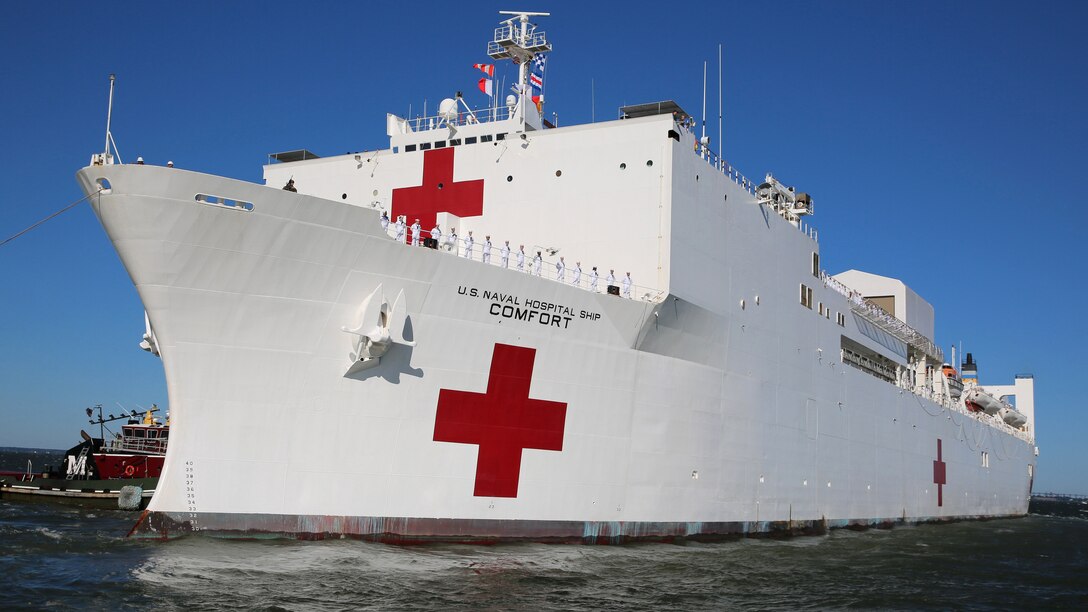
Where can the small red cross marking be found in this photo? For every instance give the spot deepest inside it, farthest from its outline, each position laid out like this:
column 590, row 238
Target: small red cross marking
column 503, row 421
column 438, row 193
column 939, row 475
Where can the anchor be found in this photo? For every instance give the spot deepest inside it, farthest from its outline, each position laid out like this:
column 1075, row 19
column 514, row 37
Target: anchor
column 380, row 326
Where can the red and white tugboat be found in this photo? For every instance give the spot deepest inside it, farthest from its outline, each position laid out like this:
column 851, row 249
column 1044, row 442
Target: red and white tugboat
column 122, row 468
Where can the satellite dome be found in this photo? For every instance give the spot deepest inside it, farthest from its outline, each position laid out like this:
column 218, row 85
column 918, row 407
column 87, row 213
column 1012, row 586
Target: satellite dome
column 447, row 109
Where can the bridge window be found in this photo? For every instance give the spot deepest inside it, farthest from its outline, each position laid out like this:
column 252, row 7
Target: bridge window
column 470, row 140
column 486, row 138
column 409, row 148
column 806, row 296
column 425, row 146
column 441, row 144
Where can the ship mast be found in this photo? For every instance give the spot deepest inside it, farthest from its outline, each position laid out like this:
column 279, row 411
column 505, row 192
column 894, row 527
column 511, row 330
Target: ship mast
column 104, row 158
column 519, row 42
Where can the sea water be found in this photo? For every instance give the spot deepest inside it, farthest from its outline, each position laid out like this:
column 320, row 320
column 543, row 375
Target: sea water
column 64, row 556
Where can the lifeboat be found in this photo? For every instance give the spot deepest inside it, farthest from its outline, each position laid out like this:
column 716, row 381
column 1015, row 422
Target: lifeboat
column 1013, row 417
column 955, row 385
column 984, row 401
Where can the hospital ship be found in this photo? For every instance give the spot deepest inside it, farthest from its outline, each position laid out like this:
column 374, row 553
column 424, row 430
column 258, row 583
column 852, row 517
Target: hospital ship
column 332, row 372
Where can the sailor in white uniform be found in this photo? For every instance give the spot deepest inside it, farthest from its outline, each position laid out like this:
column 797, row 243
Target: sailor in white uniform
column 415, row 233
column 469, row 242
column 400, row 228
column 451, row 244
column 436, row 235
column 385, row 222
column 537, row 261
column 561, row 270
column 505, row 254
column 627, row 286
column 487, row 249
column 610, row 280
column 593, row 276
column 521, row 258
column 577, row 280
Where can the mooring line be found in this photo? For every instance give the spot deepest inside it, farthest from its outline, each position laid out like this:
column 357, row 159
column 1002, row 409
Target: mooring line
column 72, row 205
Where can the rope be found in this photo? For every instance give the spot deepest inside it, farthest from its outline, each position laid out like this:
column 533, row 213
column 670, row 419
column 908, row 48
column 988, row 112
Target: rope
column 65, row 209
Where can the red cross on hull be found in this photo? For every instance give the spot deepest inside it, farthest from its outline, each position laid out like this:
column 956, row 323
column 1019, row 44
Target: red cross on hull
column 939, row 476
column 502, row 422
column 438, row 193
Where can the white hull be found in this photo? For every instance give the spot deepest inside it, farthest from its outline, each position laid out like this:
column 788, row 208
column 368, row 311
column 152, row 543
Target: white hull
column 685, row 414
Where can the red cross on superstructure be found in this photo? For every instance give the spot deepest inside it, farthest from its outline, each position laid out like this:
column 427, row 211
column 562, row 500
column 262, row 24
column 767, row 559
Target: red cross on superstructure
column 939, row 475
column 438, row 193
column 503, row 421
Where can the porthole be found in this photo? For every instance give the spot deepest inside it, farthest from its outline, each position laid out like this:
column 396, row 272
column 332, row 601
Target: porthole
column 623, row 166
column 559, row 173
column 649, row 162
column 725, row 198
column 375, row 192
column 696, row 178
column 343, row 196
column 440, row 185
column 509, row 179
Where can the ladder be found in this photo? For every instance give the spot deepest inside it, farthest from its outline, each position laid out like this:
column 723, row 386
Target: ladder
column 80, row 460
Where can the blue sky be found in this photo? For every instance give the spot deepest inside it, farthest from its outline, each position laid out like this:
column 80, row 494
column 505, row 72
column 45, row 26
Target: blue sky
column 942, row 143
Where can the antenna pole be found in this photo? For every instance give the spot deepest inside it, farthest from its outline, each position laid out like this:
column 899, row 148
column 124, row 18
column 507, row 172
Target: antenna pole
column 721, row 142
column 702, row 139
column 109, row 116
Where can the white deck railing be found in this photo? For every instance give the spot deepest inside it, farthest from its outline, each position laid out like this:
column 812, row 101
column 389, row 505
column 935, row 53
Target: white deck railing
column 548, row 269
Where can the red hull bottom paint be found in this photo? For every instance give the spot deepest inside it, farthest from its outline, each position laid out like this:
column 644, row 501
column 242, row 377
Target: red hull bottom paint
column 403, row 530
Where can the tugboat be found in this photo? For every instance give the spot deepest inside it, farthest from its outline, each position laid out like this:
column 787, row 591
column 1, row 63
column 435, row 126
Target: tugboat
column 114, row 468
